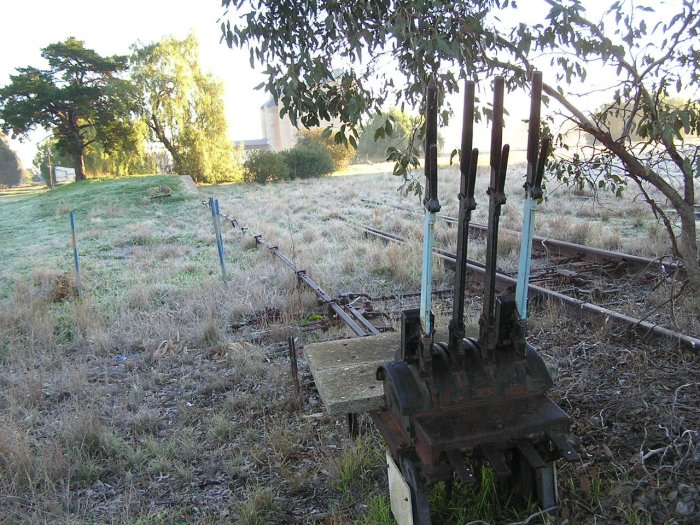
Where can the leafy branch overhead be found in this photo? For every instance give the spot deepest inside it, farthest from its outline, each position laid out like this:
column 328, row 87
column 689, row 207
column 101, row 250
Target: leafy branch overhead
column 637, row 61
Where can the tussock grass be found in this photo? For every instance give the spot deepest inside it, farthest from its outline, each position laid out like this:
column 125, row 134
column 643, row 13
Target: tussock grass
column 353, row 471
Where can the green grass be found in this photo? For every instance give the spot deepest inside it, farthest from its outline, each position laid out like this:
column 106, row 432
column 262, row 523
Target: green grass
column 486, row 501
column 378, row 512
column 354, row 469
column 35, row 227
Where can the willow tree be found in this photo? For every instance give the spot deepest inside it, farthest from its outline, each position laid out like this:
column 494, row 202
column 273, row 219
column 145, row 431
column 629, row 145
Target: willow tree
column 183, row 108
column 345, row 60
column 79, row 97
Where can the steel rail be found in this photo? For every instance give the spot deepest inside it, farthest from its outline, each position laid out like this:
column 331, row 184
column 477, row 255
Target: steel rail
column 575, row 307
column 559, row 248
column 302, row 276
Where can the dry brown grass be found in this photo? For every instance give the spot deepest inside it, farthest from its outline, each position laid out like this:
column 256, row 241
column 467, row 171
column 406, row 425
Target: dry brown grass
column 164, row 394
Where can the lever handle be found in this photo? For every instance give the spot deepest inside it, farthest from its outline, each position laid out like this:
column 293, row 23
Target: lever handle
column 471, row 181
column 431, row 202
column 533, row 132
column 503, row 168
column 536, row 190
column 467, row 137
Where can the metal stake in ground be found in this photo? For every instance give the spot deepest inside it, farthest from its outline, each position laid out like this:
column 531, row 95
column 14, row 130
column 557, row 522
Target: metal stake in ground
column 75, row 255
column 214, row 207
column 291, row 341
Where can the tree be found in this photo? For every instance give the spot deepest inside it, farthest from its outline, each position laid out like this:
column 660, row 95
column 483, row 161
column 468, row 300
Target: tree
column 127, row 154
column 384, row 130
column 10, row 165
column 183, row 109
column 79, row 98
column 645, row 55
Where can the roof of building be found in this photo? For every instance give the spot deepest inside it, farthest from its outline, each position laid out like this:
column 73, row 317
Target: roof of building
column 269, row 104
column 254, row 144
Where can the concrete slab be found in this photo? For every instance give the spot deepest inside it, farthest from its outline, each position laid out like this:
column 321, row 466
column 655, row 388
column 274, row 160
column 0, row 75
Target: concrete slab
column 345, row 371
column 345, row 352
column 351, row 389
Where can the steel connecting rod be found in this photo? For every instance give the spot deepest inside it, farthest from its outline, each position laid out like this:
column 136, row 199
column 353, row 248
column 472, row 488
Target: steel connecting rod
column 467, row 166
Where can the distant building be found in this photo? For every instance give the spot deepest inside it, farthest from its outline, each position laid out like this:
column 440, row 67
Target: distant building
column 63, row 174
column 279, row 132
column 262, row 144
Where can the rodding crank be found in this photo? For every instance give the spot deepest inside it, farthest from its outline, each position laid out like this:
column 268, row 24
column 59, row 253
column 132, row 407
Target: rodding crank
column 451, row 408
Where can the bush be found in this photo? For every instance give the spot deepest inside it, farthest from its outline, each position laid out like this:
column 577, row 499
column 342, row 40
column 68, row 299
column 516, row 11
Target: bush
column 309, row 159
column 225, row 166
column 339, row 154
column 262, row 166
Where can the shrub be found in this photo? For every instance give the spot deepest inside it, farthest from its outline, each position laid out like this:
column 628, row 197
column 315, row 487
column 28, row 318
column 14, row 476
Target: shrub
column 262, row 166
column 339, row 153
column 309, row 159
column 224, row 166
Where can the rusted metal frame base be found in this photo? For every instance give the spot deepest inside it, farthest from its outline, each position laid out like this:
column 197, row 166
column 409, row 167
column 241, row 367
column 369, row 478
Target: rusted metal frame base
column 480, row 431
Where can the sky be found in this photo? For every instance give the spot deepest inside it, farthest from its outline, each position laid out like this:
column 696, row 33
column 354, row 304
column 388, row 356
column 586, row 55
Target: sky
column 111, row 27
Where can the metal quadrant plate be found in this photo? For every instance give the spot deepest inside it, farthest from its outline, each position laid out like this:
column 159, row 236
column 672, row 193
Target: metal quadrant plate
column 399, row 494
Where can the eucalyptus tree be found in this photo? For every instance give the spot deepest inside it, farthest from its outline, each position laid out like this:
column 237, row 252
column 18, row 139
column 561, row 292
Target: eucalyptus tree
column 183, row 108
column 328, row 59
column 79, row 97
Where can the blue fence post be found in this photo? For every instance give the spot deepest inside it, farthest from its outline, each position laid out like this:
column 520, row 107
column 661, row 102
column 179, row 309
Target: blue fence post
column 214, row 205
column 75, row 255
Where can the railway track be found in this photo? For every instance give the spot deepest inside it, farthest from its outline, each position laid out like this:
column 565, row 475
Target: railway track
column 575, row 307
column 560, row 252
column 355, row 318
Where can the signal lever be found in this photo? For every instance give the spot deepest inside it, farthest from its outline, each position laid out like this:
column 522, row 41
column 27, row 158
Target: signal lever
column 489, row 323
column 432, row 207
column 533, row 193
column 468, row 160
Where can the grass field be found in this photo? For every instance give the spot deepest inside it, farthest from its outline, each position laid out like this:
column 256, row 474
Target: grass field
column 163, row 394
